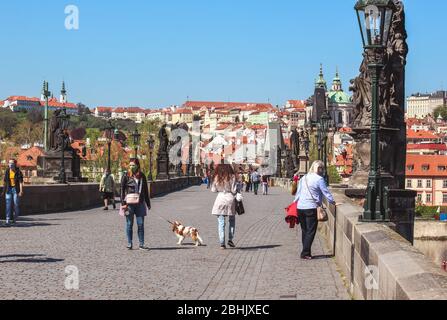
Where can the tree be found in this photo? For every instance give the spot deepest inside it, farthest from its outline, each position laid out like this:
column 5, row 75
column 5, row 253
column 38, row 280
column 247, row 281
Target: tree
column 35, row 116
column 8, row 121
column 441, row 110
column 83, row 109
column 27, row 132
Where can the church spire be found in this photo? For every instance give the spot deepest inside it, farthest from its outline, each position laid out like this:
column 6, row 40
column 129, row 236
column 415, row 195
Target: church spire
column 336, row 84
column 321, row 83
column 63, row 98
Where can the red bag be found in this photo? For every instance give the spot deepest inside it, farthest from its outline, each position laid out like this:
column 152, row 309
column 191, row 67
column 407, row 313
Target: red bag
column 292, row 215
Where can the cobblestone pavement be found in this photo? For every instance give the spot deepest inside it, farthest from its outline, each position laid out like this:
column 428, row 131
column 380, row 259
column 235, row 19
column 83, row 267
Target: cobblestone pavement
column 266, row 264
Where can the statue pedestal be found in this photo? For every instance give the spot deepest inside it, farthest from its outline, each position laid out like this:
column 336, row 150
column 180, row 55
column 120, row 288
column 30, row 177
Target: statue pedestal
column 163, row 166
column 390, row 155
column 304, row 168
column 49, row 167
column 402, row 207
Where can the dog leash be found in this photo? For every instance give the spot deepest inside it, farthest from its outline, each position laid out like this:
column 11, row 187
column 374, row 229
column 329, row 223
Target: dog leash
column 163, row 219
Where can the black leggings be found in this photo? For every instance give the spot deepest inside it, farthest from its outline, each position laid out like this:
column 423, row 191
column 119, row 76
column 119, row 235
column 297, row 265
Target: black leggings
column 309, row 225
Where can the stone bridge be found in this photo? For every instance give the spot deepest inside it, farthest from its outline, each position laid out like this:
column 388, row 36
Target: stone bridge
column 371, row 261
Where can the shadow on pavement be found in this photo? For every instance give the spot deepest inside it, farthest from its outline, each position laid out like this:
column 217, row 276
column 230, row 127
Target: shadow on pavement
column 322, row 257
column 30, row 225
column 29, row 258
column 171, row 248
column 259, row 247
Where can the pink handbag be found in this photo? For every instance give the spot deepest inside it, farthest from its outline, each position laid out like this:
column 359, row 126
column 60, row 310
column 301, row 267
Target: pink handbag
column 134, row 198
column 123, row 212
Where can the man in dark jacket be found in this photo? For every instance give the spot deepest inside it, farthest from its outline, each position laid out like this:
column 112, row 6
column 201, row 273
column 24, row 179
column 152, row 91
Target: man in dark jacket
column 13, row 190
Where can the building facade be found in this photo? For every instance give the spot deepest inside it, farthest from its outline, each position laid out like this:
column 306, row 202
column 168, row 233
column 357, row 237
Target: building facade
column 421, row 105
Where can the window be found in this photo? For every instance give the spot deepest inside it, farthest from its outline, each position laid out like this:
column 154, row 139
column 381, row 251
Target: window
column 419, row 183
column 442, row 168
column 410, row 168
column 428, row 198
column 419, row 198
column 444, row 198
column 428, row 185
column 409, row 184
column 444, row 185
column 425, row 167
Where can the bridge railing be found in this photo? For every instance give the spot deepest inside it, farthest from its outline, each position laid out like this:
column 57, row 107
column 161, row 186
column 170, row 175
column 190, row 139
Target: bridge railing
column 43, row 199
column 377, row 262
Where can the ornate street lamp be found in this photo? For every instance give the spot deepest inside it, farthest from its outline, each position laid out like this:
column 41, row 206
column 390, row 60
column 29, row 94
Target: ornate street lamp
column 46, row 94
column 151, row 144
column 319, row 141
column 325, row 124
column 110, row 134
column 63, row 117
column 306, row 143
column 375, row 17
column 136, row 141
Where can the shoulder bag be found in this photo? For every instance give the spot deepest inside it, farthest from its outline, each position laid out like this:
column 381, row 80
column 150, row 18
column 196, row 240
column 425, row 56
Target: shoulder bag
column 321, row 211
column 134, row 198
column 240, row 210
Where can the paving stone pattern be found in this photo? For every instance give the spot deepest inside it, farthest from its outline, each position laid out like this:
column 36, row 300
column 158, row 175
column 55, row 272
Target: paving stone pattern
column 265, row 265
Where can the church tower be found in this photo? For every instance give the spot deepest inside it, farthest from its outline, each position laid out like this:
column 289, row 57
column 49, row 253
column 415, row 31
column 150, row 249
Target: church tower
column 63, row 98
column 320, row 82
column 336, row 84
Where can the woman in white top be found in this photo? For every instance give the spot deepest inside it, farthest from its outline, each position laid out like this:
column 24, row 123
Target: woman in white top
column 225, row 183
column 312, row 189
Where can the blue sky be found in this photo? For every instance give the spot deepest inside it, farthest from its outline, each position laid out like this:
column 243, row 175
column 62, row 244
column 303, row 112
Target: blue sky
column 157, row 53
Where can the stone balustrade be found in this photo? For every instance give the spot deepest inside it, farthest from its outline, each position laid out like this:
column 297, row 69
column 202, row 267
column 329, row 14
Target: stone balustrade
column 41, row 199
column 377, row 262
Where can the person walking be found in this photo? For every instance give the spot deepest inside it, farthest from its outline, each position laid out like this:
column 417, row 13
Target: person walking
column 311, row 190
column 208, row 180
column 265, row 184
column 12, row 191
column 247, row 181
column 256, row 180
column 135, row 199
column 225, row 184
column 107, row 188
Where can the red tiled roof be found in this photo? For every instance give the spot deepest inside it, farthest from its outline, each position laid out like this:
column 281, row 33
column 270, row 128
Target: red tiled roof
column 129, row 110
column 222, row 126
column 53, row 102
column 56, row 104
column 228, row 105
column 427, row 146
column 417, row 162
column 28, row 158
column 183, row 111
column 411, row 134
column 104, row 109
column 345, row 130
column 258, row 127
column 297, row 104
column 22, row 98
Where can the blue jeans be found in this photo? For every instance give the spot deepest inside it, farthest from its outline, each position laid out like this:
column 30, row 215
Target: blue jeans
column 133, row 212
column 222, row 222
column 12, row 199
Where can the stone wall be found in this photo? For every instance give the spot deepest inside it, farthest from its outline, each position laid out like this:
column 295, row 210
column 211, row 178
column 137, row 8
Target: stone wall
column 43, row 199
column 430, row 237
column 377, row 262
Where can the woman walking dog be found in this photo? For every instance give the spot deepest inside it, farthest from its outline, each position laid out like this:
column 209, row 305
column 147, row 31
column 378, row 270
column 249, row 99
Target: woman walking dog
column 225, row 183
column 311, row 189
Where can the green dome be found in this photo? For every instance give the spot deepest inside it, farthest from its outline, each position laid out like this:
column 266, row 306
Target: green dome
column 339, row 97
